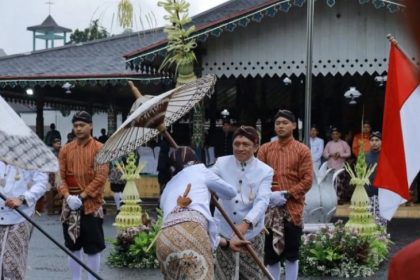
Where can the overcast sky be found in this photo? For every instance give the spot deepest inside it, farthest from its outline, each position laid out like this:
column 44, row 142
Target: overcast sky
column 16, row 15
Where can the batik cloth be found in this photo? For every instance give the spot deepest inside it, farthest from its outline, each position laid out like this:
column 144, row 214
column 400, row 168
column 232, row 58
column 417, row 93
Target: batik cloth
column 274, row 220
column 226, row 262
column 73, row 218
column 184, row 252
column 14, row 250
column 374, row 209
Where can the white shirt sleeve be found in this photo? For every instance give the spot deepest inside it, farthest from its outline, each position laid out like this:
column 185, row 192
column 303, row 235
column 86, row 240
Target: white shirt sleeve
column 38, row 188
column 219, row 186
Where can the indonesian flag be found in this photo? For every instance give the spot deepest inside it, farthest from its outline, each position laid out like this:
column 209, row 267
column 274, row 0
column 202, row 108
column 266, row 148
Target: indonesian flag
column 399, row 161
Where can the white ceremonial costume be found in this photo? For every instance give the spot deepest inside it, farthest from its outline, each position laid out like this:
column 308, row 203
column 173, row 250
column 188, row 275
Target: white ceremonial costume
column 252, row 180
column 317, row 148
column 203, row 181
column 15, row 231
column 189, row 233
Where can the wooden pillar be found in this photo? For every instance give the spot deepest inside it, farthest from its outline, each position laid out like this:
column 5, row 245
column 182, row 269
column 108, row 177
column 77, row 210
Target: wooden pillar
column 40, row 114
column 112, row 120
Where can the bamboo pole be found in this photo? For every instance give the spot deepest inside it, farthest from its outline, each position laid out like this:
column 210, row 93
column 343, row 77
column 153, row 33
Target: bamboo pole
column 67, row 251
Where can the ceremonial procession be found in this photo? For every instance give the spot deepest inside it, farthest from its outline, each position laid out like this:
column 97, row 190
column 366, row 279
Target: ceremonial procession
column 201, row 140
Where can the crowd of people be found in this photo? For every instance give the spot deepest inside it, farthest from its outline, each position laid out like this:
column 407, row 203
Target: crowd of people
column 261, row 188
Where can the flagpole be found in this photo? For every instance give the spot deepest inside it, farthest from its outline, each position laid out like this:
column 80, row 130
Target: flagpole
column 67, row 251
column 308, row 81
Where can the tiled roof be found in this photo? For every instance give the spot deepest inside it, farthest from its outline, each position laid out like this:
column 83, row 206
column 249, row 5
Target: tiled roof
column 215, row 16
column 99, row 58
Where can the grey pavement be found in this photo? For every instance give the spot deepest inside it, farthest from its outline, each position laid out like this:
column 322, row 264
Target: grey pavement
column 47, row 261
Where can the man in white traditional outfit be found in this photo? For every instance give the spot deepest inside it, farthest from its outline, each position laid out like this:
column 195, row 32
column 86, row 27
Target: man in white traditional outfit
column 189, row 232
column 252, row 179
column 316, row 145
column 22, row 188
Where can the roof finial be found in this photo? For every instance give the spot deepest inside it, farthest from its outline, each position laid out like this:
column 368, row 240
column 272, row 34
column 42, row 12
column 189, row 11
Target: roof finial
column 49, row 3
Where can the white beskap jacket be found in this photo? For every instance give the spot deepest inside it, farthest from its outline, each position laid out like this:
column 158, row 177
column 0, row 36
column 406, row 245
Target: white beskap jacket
column 252, row 180
column 15, row 182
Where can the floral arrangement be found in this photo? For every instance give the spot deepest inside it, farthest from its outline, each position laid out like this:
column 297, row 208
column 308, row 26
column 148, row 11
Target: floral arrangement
column 339, row 252
column 135, row 246
column 180, row 47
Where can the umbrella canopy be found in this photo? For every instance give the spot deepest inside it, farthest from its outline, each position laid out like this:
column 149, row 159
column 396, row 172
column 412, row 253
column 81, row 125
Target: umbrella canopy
column 20, row 146
column 153, row 115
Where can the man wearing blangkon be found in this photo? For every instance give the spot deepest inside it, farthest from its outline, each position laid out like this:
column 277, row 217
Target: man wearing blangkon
column 252, row 180
column 82, row 187
column 292, row 164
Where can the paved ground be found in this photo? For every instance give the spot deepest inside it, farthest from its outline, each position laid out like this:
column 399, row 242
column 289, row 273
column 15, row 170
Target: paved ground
column 47, row 261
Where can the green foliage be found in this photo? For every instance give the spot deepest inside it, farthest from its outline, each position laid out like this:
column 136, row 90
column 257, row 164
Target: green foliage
column 341, row 253
column 180, row 48
column 93, row 32
column 125, row 13
column 133, row 247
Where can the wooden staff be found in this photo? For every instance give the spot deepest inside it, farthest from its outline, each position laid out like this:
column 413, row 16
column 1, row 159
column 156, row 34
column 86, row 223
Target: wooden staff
column 241, row 237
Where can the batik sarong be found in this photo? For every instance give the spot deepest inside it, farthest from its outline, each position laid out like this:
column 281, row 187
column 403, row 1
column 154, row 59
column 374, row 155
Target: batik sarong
column 374, row 209
column 226, row 262
column 274, row 220
column 184, row 252
column 14, row 241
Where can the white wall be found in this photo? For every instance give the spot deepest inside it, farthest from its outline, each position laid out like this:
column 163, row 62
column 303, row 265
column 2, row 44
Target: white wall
column 64, row 125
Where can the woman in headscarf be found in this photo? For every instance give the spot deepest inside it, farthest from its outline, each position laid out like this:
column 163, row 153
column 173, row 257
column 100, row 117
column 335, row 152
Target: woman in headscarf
column 189, row 233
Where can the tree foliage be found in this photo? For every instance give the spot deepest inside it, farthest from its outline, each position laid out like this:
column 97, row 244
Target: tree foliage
column 93, row 32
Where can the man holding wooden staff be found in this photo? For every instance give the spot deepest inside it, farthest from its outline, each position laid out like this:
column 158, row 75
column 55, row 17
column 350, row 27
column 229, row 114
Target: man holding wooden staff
column 252, row 180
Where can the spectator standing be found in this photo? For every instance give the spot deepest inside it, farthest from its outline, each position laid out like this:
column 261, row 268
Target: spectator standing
column 371, row 158
column 362, row 138
column 317, row 146
column 103, row 136
column 337, row 151
column 51, row 135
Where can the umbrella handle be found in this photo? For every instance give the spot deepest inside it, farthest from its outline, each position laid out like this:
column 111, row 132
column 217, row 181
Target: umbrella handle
column 67, row 251
column 241, row 237
column 162, row 129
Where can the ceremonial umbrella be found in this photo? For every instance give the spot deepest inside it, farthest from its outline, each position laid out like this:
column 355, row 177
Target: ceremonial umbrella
column 20, row 146
column 150, row 115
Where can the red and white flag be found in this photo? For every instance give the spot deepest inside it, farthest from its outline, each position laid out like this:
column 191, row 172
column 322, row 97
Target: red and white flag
column 399, row 161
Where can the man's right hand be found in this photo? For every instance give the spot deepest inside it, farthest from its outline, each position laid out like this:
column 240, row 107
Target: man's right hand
column 74, row 202
column 237, row 245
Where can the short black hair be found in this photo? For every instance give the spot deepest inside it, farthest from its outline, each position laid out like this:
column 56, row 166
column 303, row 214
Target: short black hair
column 285, row 114
column 247, row 131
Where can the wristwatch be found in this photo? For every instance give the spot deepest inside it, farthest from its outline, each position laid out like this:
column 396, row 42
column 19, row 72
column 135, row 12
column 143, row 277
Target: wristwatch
column 22, row 198
column 246, row 221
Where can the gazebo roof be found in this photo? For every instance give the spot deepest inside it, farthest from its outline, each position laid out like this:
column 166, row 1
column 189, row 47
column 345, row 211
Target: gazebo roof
column 48, row 25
